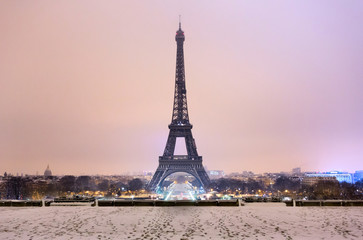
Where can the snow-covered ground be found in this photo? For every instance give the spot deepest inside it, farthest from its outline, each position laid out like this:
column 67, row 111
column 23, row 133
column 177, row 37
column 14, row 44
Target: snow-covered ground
column 253, row 221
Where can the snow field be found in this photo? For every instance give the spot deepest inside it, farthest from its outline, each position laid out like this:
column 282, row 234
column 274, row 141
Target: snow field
column 253, row 221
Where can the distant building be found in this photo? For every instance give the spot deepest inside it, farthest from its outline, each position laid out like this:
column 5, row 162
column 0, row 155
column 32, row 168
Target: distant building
column 248, row 174
column 310, row 181
column 358, row 176
column 216, row 173
column 340, row 176
column 147, row 173
column 296, row 171
column 47, row 172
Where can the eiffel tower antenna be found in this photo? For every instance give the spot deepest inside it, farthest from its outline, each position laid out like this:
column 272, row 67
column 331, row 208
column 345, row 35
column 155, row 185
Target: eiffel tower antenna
column 180, row 127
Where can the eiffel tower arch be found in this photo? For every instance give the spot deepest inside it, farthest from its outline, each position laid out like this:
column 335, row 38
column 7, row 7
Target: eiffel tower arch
column 180, row 127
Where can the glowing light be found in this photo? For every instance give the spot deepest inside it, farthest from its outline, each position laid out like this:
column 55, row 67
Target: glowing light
column 167, row 197
column 191, row 195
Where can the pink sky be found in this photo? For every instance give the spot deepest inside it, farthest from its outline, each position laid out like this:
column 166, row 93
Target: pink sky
column 87, row 86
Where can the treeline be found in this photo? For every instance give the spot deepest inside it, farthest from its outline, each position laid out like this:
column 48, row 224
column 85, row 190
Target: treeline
column 251, row 186
column 324, row 190
column 86, row 183
column 28, row 188
column 285, row 186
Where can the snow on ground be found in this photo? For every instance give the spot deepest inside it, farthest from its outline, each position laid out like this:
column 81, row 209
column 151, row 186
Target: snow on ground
column 253, row 221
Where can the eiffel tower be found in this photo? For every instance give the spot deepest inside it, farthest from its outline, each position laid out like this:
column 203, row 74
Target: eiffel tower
column 179, row 127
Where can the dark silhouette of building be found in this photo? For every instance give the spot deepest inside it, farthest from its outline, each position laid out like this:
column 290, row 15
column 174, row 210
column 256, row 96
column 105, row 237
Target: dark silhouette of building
column 47, row 172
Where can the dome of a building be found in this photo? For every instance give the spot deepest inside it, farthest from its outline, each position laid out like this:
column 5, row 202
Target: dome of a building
column 47, row 172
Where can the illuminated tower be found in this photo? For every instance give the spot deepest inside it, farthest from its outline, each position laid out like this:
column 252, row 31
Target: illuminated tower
column 180, row 127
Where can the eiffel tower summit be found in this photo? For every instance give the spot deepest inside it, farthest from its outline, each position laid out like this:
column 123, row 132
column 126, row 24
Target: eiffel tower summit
column 180, row 127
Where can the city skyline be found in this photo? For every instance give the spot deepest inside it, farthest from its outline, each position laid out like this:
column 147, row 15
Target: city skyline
column 210, row 172
column 88, row 87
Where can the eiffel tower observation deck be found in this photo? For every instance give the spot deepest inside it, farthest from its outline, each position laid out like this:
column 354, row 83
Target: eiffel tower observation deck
column 180, row 127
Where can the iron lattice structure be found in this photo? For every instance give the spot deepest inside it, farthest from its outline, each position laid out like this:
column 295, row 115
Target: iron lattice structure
column 180, row 127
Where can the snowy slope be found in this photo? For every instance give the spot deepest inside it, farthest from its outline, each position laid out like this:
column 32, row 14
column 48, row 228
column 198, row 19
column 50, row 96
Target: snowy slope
column 253, row 221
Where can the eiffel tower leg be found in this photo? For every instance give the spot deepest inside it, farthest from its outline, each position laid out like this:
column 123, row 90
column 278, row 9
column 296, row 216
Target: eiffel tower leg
column 170, row 145
column 190, row 144
column 203, row 177
column 155, row 181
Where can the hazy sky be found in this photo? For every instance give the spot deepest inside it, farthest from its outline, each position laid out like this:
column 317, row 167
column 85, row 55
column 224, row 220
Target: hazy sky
column 88, row 86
